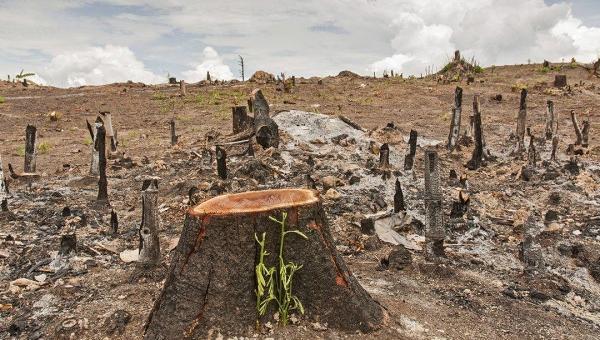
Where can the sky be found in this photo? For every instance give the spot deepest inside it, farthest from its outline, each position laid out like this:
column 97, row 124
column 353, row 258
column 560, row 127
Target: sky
column 69, row 43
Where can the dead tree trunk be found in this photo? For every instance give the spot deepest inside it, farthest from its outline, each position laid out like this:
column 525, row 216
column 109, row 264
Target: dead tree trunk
column 211, row 281
column 95, row 155
column 241, row 120
column 477, row 158
column 531, row 152
column 221, row 156
column 455, row 122
column 110, row 133
column 182, row 88
column 410, row 158
column 3, row 191
column 30, row 136
column 398, row 198
column 585, row 132
column 434, row 211
column 148, row 233
column 102, row 182
column 174, row 137
column 266, row 130
column 521, row 121
column 579, row 140
column 114, row 223
column 550, row 119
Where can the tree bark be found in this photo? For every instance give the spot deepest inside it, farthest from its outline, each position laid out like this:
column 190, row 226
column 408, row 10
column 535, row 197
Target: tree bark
column 241, row 120
column 477, row 158
column 266, row 130
column 110, row 133
column 384, row 157
column 585, row 132
column 95, row 155
column 435, row 231
column 102, row 182
column 211, row 281
column 455, row 122
column 550, row 119
column 521, row 121
column 410, row 158
column 148, row 233
column 398, row 198
column 30, row 136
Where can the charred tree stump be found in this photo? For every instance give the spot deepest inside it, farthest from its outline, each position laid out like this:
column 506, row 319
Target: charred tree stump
column 68, row 243
column 211, row 285
column 182, row 88
column 521, row 121
column 241, row 120
column 578, row 133
column 434, row 213
column 3, row 191
column 532, row 152
column 478, row 154
column 560, row 80
column 95, row 155
column 266, row 130
column 410, row 158
column 455, row 122
column 174, row 137
column 103, row 181
column 550, row 119
column 585, row 132
column 148, row 233
column 531, row 251
column 554, row 147
column 398, row 198
column 384, row 157
column 459, row 208
column 110, row 133
column 221, row 156
column 114, row 223
column 30, row 136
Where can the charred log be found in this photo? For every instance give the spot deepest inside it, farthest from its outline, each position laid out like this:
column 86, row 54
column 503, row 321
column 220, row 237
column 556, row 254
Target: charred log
column 398, row 198
column 410, row 158
column 265, row 129
column 221, row 156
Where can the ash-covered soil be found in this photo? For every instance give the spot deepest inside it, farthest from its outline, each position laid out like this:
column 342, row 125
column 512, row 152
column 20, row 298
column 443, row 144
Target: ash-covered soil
column 481, row 290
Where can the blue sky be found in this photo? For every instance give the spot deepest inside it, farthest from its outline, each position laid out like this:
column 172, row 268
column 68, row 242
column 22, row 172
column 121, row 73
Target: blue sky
column 90, row 42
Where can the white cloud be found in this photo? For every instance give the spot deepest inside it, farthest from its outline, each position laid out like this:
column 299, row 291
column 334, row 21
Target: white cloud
column 96, row 66
column 212, row 63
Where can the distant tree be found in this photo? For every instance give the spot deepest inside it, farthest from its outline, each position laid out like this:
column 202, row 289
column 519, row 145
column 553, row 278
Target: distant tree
column 241, row 63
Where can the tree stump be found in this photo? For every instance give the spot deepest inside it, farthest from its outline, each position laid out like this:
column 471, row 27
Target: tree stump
column 3, row 191
column 211, row 282
column 149, row 248
column 455, row 122
column 102, row 199
column 560, row 80
column 30, row 136
column 241, row 120
column 265, row 129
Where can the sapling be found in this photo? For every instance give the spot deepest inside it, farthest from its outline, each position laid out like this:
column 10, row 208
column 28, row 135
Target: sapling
column 277, row 282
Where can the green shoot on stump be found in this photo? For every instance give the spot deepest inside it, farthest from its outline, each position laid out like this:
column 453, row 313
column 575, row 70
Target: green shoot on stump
column 276, row 282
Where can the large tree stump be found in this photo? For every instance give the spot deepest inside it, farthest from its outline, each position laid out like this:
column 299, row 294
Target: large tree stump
column 241, row 120
column 265, row 129
column 149, row 248
column 211, row 281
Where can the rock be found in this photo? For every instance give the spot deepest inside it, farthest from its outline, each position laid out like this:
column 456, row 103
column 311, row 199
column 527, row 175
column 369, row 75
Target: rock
column 400, row 258
column 262, row 77
column 332, row 194
column 116, row 322
column 331, row 182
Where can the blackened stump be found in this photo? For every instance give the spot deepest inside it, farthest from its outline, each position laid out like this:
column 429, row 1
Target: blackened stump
column 149, row 247
column 455, row 122
column 221, row 156
column 30, row 136
column 211, row 281
column 410, row 158
column 102, row 198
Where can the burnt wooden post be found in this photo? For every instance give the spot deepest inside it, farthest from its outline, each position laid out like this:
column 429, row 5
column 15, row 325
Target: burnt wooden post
column 265, row 129
column 434, row 214
column 30, row 136
column 114, row 222
column 384, row 157
column 149, row 248
column 521, row 121
column 578, row 133
column 398, row 198
column 550, row 120
column 531, row 152
column 211, row 282
column 477, row 158
column 455, row 122
column 102, row 182
column 182, row 88
column 3, row 191
column 410, row 158
column 585, row 132
column 241, row 120
column 554, row 147
column 221, row 156
column 174, row 137
column 94, row 135
column 110, row 133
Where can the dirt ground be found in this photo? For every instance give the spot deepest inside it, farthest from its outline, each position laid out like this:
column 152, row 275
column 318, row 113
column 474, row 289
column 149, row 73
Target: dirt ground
column 481, row 290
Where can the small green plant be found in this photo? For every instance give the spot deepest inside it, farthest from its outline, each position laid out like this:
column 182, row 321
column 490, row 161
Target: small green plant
column 2, row 100
column 518, row 87
column 44, row 147
column 276, row 282
column 572, row 65
column 447, row 67
column 159, row 96
column 543, row 69
column 21, row 151
column 478, row 69
column 133, row 134
column 88, row 141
